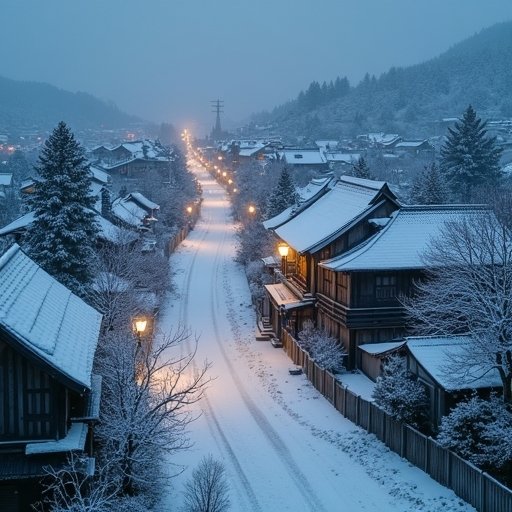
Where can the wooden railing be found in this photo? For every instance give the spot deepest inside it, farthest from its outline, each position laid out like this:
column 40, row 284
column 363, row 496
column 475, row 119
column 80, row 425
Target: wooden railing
column 471, row 484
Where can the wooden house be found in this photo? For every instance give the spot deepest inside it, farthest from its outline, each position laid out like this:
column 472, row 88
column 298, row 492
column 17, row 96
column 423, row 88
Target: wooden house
column 135, row 211
column 49, row 399
column 330, row 223
column 358, row 290
column 429, row 358
column 304, row 159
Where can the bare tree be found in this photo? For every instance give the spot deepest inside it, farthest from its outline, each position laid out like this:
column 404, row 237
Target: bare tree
column 123, row 276
column 71, row 489
column 148, row 388
column 207, row 490
column 468, row 290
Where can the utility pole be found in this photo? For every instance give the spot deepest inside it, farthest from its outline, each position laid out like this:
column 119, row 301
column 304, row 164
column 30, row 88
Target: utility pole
column 218, row 109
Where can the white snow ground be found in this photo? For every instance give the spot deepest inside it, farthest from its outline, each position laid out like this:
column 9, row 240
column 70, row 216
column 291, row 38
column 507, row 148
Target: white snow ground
column 284, row 447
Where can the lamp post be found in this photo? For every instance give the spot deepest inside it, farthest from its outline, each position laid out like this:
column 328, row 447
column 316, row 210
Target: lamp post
column 139, row 327
column 283, row 252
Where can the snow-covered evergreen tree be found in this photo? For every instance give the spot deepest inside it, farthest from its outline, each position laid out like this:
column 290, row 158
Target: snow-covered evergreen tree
column 429, row 187
column 399, row 394
column 361, row 169
column 479, row 430
column 283, row 196
column 469, row 158
column 63, row 234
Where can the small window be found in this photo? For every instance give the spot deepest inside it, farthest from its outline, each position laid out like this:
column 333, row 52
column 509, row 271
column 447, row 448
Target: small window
column 385, row 287
column 297, row 156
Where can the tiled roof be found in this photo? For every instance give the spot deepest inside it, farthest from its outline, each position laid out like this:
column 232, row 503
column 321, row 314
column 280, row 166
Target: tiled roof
column 46, row 318
column 434, row 354
column 348, row 199
column 401, row 244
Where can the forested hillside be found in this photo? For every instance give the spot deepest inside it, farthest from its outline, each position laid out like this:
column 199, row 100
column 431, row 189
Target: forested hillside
column 408, row 100
column 31, row 104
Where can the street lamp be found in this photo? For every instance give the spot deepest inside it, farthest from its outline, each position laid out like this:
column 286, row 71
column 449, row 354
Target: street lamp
column 139, row 326
column 283, row 251
column 251, row 209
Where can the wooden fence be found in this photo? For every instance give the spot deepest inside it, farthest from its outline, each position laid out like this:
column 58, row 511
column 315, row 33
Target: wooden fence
column 467, row 481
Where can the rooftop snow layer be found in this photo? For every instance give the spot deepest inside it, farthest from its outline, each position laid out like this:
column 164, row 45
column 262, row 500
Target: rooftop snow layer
column 434, row 355
column 144, row 201
column 306, row 193
column 329, row 213
column 49, row 320
column 303, row 157
column 402, row 242
column 74, row 440
column 128, row 211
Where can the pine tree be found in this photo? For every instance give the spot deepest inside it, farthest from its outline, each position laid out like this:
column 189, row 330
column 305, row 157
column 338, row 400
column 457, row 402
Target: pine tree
column 361, row 169
column 429, row 187
column 283, row 196
column 468, row 157
column 63, row 234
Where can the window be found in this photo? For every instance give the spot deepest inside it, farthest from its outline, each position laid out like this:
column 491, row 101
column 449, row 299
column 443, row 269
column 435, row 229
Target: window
column 385, row 287
column 297, row 156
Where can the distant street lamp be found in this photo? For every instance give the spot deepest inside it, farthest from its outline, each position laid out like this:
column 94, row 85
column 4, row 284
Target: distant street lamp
column 251, row 209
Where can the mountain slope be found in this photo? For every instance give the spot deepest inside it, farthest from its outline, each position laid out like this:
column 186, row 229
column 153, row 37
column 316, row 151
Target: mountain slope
column 475, row 71
column 32, row 104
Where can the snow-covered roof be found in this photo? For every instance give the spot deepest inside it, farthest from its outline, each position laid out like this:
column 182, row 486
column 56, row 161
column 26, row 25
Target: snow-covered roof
column 5, row 179
column 286, row 298
column 46, row 318
column 348, row 158
column 325, row 143
column 411, row 143
column 100, row 175
column 403, row 240
column 381, row 348
column 382, row 138
column 128, row 211
column 107, row 230
column 434, row 354
column 74, row 440
column 248, row 152
column 303, row 156
column 143, row 201
column 17, row 224
column 307, row 193
column 329, row 214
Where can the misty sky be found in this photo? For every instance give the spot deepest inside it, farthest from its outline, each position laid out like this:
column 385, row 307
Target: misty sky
column 165, row 60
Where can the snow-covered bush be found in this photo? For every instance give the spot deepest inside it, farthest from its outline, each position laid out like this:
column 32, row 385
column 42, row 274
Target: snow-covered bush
column 479, row 430
column 399, row 394
column 325, row 350
column 257, row 277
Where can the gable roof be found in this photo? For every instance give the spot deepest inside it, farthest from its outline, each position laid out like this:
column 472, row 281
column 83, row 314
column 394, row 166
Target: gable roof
column 402, row 242
column 433, row 353
column 331, row 213
column 306, row 194
column 46, row 320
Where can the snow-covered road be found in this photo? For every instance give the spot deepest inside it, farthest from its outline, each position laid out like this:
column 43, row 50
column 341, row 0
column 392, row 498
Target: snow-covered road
column 283, row 445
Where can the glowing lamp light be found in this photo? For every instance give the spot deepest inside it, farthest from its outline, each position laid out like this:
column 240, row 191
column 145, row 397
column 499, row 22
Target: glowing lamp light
column 189, row 209
column 230, row 181
column 283, row 250
column 251, row 209
column 140, row 326
column 219, row 157
column 224, row 174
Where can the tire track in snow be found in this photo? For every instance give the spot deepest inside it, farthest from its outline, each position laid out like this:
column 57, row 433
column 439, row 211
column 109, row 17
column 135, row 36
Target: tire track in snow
column 265, row 426
column 217, row 431
column 300, row 480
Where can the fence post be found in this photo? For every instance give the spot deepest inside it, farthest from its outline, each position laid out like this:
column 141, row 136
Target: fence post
column 345, row 401
column 482, row 492
column 334, row 392
column 369, row 418
column 403, row 439
column 358, row 407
